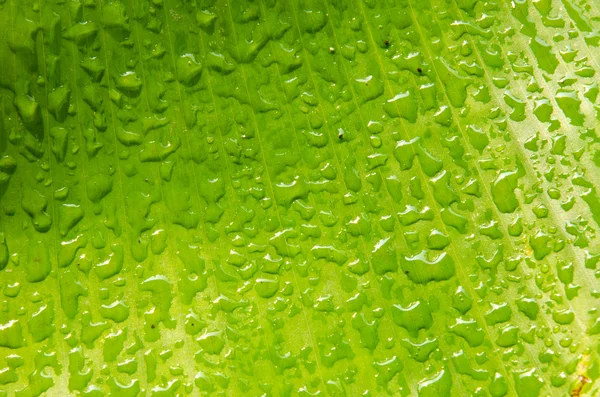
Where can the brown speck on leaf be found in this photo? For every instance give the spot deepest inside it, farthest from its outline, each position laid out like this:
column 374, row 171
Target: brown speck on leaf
column 387, row 43
column 419, row 70
column 582, row 380
column 152, row 326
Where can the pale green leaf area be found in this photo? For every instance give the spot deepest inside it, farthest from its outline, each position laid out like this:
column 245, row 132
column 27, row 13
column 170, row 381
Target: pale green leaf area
column 299, row 198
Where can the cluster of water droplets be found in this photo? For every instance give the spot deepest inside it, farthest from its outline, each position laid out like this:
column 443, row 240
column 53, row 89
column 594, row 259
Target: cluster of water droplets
column 299, row 198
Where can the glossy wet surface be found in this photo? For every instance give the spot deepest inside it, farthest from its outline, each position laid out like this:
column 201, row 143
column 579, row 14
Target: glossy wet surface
column 295, row 197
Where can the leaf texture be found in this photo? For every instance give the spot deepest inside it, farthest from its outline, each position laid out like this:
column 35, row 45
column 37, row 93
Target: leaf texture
column 299, row 197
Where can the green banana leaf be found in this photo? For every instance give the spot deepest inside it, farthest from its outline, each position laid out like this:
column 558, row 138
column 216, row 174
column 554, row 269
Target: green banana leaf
column 299, row 198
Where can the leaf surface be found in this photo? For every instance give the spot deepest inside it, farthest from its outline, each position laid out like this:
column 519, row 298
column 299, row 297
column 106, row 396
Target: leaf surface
column 299, row 197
